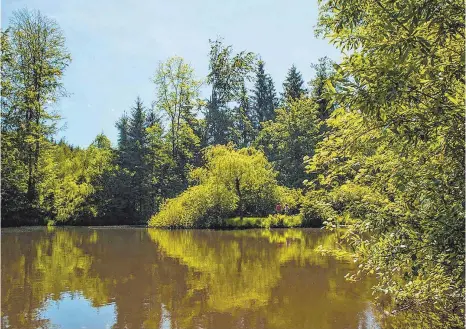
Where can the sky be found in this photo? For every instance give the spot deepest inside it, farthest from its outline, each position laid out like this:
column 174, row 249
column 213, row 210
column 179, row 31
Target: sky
column 116, row 46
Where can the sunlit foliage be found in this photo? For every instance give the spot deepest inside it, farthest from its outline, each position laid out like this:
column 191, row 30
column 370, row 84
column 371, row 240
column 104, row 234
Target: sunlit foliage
column 232, row 182
column 393, row 165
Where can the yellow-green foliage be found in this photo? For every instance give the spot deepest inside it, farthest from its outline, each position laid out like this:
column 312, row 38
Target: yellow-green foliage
column 281, row 220
column 69, row 175
column 232, row 181
column 289, row 196
column 246, row 222
column 251, row 286
column 192, row 205
column 278, row 220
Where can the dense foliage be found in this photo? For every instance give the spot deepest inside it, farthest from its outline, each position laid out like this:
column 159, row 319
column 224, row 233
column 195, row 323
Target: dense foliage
column 392, row 166
column 231, row 183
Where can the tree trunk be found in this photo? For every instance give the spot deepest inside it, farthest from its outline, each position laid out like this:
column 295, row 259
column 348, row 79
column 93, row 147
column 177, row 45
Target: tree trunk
column 240, row 201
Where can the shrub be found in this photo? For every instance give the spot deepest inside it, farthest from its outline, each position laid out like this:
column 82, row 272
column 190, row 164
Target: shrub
column 197, row 203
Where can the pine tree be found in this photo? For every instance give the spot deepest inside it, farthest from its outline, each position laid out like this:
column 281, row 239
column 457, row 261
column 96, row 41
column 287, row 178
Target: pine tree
column 130, row 183
column 123, row 140
column 264, row 97
column 293, row 87
column 137, row 150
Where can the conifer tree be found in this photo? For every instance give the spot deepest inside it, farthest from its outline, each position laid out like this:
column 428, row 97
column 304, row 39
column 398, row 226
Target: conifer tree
column 243, row 129
column 137, row 138
column 293, row 87
column 264, row 96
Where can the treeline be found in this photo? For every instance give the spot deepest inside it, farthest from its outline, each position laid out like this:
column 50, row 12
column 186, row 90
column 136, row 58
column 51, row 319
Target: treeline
column 158, row 145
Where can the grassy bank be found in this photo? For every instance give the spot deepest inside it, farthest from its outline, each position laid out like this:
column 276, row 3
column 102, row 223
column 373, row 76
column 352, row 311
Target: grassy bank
column 264, row 222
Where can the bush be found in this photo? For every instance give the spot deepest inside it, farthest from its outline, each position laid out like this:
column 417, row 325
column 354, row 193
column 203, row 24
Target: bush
column 198, row 206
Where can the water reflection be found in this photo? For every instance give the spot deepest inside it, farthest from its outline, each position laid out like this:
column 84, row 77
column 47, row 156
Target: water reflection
column 145, row 278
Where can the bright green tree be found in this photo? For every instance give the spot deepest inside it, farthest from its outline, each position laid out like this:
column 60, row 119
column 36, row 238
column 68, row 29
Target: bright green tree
column 178, row 99
column 227, row 73
column 34, row 58
column 232, row 182
column 393, row 166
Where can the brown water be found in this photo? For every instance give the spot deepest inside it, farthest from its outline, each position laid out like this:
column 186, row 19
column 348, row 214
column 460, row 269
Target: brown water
column 75, row 278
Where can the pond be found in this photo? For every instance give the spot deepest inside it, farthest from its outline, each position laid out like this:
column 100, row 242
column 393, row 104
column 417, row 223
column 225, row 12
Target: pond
column 126, row 277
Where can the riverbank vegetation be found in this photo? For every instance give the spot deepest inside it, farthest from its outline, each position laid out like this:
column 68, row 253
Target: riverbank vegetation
column 231, row 183
column 381, row 134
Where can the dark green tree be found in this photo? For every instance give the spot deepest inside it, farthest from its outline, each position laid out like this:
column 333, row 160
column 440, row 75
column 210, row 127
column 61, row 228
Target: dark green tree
column 264, row 99
column 128, row 184
column 293, row 87
column 289, row 138
column 137, row 151
column 243, row 131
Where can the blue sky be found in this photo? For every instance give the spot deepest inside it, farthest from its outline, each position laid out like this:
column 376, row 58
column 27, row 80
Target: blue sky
column 116, row 46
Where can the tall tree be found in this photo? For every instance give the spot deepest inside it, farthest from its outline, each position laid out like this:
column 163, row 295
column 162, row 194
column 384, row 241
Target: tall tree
column 227, row 73
column 264, row 99
column 122, row 126
column 137, row 152
column 129, row 183
column 289, row 138
column 293, row 86
column 177, row 98
column 34, row 58
column 177, row 94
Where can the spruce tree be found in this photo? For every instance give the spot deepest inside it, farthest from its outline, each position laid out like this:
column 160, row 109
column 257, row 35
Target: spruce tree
column 264, row 96
column 293, row 87
column 130, row 184
column 122, row 126
column 243, row 129
column 137, row 138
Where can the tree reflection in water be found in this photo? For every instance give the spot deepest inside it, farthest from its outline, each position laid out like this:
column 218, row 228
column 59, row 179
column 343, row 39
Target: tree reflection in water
column 181, row 279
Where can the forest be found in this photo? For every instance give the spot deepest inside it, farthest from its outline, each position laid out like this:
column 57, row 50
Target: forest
column 374, row 143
